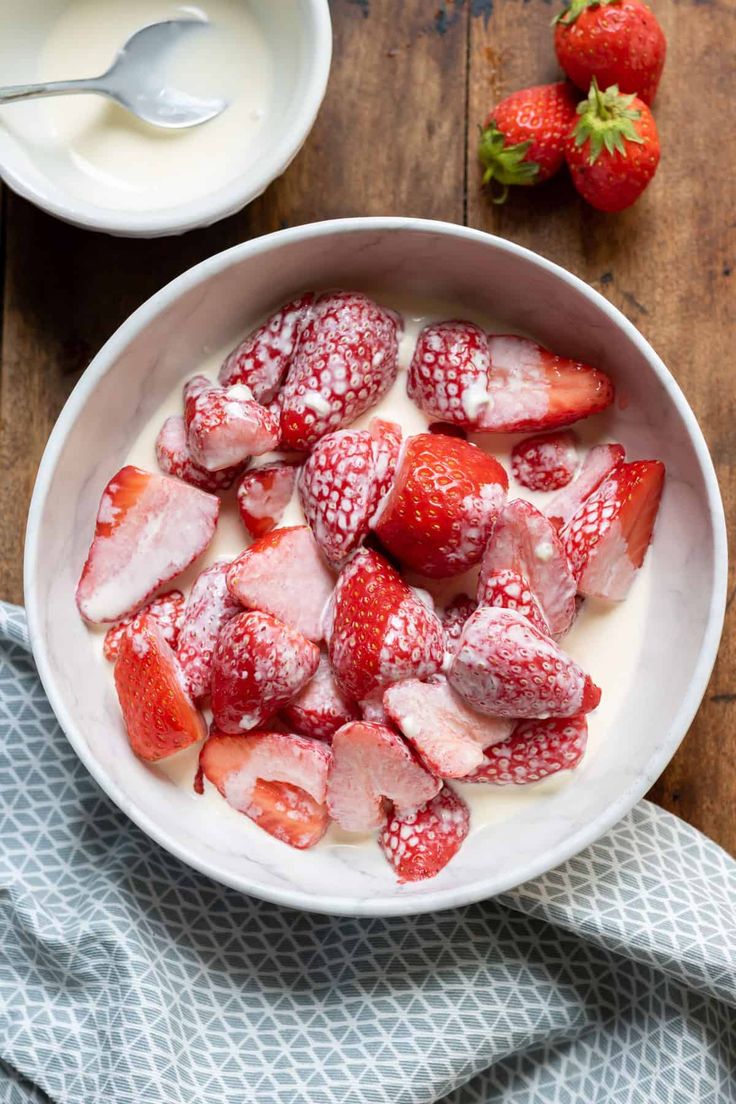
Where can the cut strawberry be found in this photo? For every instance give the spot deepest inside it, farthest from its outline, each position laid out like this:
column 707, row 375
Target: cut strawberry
column 342, row 483
column 371, row 709
column 378, row 630
column 608, row 537
column 442, row 506
column 149, row 528
column 500, row 383
column 372, row 765
column 526, row 542
column 506, row 668
column 263, row 495
column 534, row 750
column 208, row 607
column 454, row 616
column 277, row 779
column 225, row 425
column 321, row 707
column 172, row 454
column 259, row 665
column 420, row 844
column 159, row 716
column 598, row 463
column 284, row 574
column 346, row 359
column 546, row 462
column 508, row 590
column 167, row 611
column 446, row 734
column 261, row 360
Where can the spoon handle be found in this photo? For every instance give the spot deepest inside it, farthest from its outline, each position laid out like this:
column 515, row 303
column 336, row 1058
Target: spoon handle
column 53, row 88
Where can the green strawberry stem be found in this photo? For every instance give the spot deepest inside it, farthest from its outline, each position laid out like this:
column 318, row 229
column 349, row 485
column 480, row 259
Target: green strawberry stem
column 606, row 122
column 504, row 164
column 576, row 7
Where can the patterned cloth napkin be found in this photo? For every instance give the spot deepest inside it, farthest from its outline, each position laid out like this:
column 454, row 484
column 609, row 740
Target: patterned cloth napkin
column 126, row 978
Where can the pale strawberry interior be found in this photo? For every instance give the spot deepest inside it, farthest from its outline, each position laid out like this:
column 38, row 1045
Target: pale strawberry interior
column 605, row 639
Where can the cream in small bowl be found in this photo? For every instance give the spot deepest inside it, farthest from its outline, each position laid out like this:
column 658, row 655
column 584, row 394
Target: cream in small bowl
column 655, row 664
column 87, row 160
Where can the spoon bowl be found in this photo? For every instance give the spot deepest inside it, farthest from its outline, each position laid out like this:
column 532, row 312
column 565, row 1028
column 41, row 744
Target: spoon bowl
column 136, row 80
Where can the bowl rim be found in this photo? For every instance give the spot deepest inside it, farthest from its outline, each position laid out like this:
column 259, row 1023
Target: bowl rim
column 393, row 905
column 222, row 201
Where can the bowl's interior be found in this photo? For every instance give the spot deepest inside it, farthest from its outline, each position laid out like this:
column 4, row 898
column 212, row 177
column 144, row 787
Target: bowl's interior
column 33, row 155
column 214, row 304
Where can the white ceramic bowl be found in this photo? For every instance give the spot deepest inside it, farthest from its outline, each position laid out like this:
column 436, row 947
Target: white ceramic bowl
column 298, row 35
column 164, row 341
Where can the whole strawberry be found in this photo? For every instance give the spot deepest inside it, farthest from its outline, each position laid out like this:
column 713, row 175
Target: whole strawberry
column 613, row 149
column 616, row 41
column 522, row 141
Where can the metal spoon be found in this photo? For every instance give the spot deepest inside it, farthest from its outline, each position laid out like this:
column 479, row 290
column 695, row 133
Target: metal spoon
column 134, row 81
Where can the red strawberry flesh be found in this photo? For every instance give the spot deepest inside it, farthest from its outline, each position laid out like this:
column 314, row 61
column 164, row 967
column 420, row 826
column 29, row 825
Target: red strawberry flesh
column 226, row 426
column 421, row 843
column 167, row 610
column 546, row 462
column 446, row 734
column 443, row 505
column 173, row 457
column 533, row 751
column 209, row 606
column 149, row 529
column 262, row 359
column 598, row 463
column 277, row 779
column 259, row 665
column 321, row 707
column 159, row 717
column 506, row 668
column 372, row 765
column 378, row 630
column 263, row 495
column 509, row 590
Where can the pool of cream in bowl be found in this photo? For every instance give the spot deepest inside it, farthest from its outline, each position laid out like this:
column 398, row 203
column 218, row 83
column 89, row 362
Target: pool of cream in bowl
column 189, row 324
column 102, row 165
column 605, row 638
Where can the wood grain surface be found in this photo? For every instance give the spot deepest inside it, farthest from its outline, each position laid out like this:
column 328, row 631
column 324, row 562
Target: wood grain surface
column 397, row 135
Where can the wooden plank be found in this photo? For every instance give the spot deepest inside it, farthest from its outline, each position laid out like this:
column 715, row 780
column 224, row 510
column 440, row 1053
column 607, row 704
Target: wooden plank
column 67, row 289
column 670, row 264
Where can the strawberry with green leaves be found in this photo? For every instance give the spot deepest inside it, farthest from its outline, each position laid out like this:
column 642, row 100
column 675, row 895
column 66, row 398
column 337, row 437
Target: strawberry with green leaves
column 523, row 138
column 614, row 41
column 613, row 149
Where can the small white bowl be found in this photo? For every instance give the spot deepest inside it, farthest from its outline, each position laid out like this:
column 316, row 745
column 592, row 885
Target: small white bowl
column 298, row 35
column 166, row 339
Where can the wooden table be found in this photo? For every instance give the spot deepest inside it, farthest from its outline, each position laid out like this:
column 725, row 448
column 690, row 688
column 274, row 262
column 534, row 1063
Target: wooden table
column 397, row 135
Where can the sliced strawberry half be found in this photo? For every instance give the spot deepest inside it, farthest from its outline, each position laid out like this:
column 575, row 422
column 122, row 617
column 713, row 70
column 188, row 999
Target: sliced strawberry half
column 149, row 528
column 321, row 707
column 277, row 779
column 263, row 495
column 454, row 616
column 371, row 765
column 608, row 537
column 284, row 574
column 505, row 667
column 443, row 505
column 259, row 665
column 167, row 611
column 420, row 844
column 501, row 383
column 526, row 542
column 508, row 590
column 598, row 463
column 225, row 425
column 172, row 455
column 446, row 734
column 209, row 606
column 546, row 462
column 346, row 359
column 534, row 750
column 159, row 716
column 262, row 359
column 342, row 483
column 378, row 630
